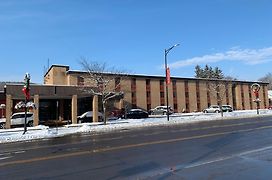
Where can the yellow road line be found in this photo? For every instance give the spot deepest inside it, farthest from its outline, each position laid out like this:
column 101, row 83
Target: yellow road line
column 107, row 149
column 158, row 132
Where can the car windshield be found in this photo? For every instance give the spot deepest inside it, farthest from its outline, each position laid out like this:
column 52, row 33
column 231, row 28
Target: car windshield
column 214, row 106
column 89, row 114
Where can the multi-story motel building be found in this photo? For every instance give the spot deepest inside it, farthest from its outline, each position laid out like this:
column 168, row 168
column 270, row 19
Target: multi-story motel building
column 61, row 96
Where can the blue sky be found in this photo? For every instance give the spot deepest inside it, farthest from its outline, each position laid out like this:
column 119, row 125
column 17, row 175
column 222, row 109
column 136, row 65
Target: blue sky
column 235, row 35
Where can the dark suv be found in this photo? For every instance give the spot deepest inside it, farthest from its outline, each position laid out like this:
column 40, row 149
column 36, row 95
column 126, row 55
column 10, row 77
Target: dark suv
column 227, row 108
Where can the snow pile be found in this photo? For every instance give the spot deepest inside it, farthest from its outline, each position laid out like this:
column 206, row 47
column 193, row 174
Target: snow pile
column 44, row 132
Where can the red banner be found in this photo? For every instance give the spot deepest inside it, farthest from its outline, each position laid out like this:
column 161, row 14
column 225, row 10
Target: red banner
column 168, row 80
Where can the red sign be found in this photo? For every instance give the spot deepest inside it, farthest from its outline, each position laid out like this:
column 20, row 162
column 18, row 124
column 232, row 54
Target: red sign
column 168, row 80
column 26, row 93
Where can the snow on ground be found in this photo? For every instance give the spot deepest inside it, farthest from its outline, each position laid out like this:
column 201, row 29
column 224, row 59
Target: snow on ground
column 44, row 132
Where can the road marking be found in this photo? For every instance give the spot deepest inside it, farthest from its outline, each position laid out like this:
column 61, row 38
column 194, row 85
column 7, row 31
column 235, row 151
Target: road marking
column 7, row 157
column 97, row 138
column 107, row 149
column 9, row 153
column 180, row 167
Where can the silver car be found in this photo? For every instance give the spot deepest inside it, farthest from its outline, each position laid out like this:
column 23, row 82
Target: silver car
column 161, row 110
column 212, row 109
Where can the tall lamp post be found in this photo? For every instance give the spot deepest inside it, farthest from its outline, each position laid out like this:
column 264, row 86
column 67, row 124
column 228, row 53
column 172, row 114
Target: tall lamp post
column 26, row 91
column 167, row 76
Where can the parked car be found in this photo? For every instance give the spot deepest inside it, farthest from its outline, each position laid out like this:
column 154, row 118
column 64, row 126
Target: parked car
column 117, row 113
column 227, row 108
column 18, row 119
column 212, row 109
column 136, row 114
column 88, row 117
column 161, row 110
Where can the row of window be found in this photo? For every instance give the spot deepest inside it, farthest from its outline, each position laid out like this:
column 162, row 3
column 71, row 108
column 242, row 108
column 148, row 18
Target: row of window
column 174, row 93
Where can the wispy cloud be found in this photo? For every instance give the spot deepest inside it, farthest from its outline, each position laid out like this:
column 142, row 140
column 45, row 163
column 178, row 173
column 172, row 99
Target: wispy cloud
column 247, row 56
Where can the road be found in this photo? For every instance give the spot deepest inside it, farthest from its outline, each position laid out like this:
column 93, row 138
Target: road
column 222, row 149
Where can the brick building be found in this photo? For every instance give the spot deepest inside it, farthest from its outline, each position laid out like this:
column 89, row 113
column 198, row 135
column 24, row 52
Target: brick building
column 61, row 96
column 185, row 94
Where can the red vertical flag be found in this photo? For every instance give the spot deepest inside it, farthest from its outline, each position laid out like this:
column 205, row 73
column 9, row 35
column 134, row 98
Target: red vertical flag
column 168, row 80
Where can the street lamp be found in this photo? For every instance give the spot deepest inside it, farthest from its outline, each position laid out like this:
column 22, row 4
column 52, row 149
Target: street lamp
column 167, row 76
column 26, row 91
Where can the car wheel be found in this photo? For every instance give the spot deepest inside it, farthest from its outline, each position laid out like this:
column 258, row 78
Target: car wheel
column 2, row 126
column 30, row 124
column 216, row 111
column 205, row 111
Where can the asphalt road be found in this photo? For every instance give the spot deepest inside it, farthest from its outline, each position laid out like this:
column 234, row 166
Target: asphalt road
column 229, row 149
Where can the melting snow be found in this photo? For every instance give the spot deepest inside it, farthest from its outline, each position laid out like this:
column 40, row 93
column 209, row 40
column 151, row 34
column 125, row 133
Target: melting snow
column 44, row 132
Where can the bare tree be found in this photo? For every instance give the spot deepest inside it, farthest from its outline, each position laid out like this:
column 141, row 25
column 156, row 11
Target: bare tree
column 218, row 89
column 267, row 78
column 105, row 82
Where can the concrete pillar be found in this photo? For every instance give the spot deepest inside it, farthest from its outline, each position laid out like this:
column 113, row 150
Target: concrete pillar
column 74, row 109
column 95, row 108
column 9, row 105
column 121, row 104
column 36, row 111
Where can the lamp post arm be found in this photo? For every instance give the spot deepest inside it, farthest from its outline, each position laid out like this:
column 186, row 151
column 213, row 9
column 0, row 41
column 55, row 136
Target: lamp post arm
column 167, row 50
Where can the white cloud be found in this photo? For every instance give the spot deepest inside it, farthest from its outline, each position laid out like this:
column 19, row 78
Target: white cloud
column 248, row 56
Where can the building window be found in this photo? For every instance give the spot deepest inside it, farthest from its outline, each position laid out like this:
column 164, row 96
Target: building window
column 233, row 90
column 174, row 95
column 133, row 84
column 80, row 81
column 175, row 99
column 148, row 106
column 250, row 97
column 133, row 93
column 227, row 93
column 208, row 94
column 162, row 98
column 147, row 81
column 175, row 106
column 148, row 94
column 264, row 97
column 198, row 97
column 187, row 96
column 243, row 97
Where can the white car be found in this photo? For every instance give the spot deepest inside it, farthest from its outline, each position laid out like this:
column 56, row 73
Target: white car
column 18, row 119
column 212, row 109
column 88, row 117
column 161, row 110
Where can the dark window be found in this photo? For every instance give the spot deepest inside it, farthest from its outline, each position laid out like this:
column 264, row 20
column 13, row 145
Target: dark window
column 175, row 107
column 187, row 98
column 242, row 96
column 198, row 96
column 162, row 94
column 80, row 81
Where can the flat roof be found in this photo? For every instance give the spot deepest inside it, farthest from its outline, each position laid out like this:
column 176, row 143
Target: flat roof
column 68, row 71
